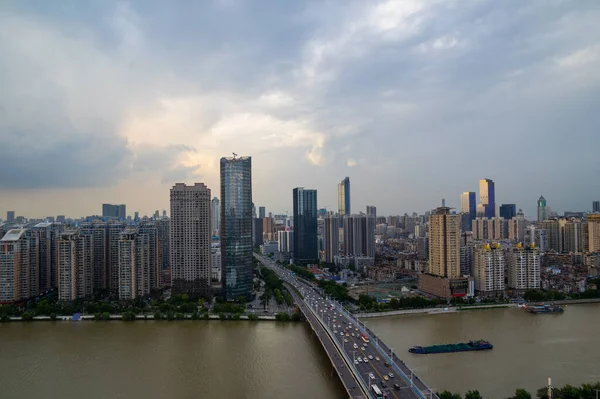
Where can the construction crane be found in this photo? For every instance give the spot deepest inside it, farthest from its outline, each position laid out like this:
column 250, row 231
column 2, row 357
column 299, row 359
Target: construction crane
column 234, row 155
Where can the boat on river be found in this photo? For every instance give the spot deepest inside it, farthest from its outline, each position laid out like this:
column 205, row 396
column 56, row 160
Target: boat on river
column 450, row 348
column 543, row 308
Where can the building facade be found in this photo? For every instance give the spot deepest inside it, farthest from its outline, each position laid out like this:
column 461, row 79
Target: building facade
column 215, row 216
column 344, row 197
column 332, row 238
column 19, row 265
column 508, row 211
column 444, row 243
column 542, row 213
column 75, row 265
column 306, row 248
column 488, row 268
column 487, row 198
column 190, row 236
column 523, row 267
column 236, row 226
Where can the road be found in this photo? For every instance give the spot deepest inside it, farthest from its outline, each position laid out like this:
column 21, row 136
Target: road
column 381, row 368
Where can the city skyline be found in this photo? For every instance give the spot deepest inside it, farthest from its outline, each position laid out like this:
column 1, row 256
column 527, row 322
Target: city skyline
column 320, row 97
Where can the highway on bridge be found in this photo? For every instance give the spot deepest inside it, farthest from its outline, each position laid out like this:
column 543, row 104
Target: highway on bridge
column 371, row 361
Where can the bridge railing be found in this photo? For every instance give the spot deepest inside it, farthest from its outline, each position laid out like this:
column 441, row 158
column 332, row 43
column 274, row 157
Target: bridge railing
column 425, row 393
column 325, row 325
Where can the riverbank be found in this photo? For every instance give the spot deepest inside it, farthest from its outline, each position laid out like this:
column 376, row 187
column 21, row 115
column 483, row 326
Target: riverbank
column 453, row 309
column 119, row 317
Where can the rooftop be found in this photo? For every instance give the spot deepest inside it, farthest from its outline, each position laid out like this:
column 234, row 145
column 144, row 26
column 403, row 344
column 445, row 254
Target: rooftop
column 13, row 235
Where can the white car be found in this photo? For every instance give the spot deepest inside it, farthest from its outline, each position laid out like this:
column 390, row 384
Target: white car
column 355, row 346
column 342, row 333
column 370, row 357
column 366, row 360
column 356, row 362
column 360, row 359
column 372, row 376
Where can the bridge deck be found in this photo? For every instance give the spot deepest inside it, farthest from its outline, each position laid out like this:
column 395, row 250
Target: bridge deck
column 335, row 327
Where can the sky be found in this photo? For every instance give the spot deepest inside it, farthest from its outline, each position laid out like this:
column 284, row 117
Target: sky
column 415, row 101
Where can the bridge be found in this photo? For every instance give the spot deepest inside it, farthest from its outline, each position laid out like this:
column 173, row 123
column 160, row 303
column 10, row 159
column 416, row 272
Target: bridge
column 358, row 364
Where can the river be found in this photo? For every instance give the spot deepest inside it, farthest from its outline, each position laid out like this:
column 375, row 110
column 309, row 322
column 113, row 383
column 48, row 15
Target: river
column 214, row 359
column 527, row 348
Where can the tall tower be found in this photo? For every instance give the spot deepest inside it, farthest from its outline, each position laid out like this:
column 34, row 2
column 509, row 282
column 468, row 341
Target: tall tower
column 372, row 211
column 487, row 197
column 542, row 213
column 190, row 239
column 596, row 206
column 306, row 248
column 344, row 197
column 332, row 237
column 444, row 243
column 236, row 226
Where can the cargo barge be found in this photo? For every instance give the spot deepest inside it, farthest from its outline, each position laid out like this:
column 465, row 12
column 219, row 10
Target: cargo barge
column 543, row 308
column 450, row 348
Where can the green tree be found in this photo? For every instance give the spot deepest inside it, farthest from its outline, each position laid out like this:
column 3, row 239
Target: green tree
column 521, row 394
column 473, row 395
column 205, row 316
column 449, row 395
column 157, row 315
column 27, row 316
column 222, row 316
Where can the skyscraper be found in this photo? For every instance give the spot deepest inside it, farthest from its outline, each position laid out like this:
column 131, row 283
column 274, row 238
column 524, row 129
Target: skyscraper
column 372, row 211
column 344, row 197
column 190, row 239
column 508, row 211
column 596, row 206
column 215, row 216
column 332, row 237
column 10, row 216
column 261, row 212
column 306, row 248
column 593, row 233
column 468, row 207
column 487, row 197
column 541, row 209
column 236, row 226
column 359, row 236
column 444, row 243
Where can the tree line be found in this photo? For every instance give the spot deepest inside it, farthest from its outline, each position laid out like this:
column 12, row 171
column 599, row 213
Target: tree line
column 584, row 391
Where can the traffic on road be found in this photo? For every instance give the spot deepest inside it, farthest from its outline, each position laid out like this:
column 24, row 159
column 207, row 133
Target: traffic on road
column 354, row 341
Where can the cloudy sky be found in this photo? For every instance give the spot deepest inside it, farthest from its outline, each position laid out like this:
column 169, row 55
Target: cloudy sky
column 105, row 101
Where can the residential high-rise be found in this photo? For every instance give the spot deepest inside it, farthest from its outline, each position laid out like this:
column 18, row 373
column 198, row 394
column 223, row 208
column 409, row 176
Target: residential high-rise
column 516, row 227
column 593, row 232
column 542, row 213
column 215, row 216
column 306, row 248
column 553, row 234
column 190, row 239
column 236, row 226
column 331, row 237
column 372, row 211
column 101, row 267
column 138, row 262
column 444, row 243
column 216, row 262
column 488, row 268
column 75, row 265
column 112, row 273
column 359, row 236
column 285, row 241
column 508, row 211
column 10, row 216
column 114, row 211
column 19, row 266
column 487, row 198
column 524, row 267
column 344, row 197
column 468, row 205
column 47, row 235
column 596, row 206
column 261, row 212
column 572, row 236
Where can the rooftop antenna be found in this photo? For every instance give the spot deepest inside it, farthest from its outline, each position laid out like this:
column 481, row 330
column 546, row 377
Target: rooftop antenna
column 234, row 155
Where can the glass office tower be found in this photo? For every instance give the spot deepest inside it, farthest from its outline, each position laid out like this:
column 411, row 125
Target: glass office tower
column 306, row 248
column 236, row 226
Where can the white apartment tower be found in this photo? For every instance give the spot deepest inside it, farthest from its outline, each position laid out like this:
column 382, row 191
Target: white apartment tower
column 332, row 237
column 191, row 239
column 524, row 267
column 488, row 268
